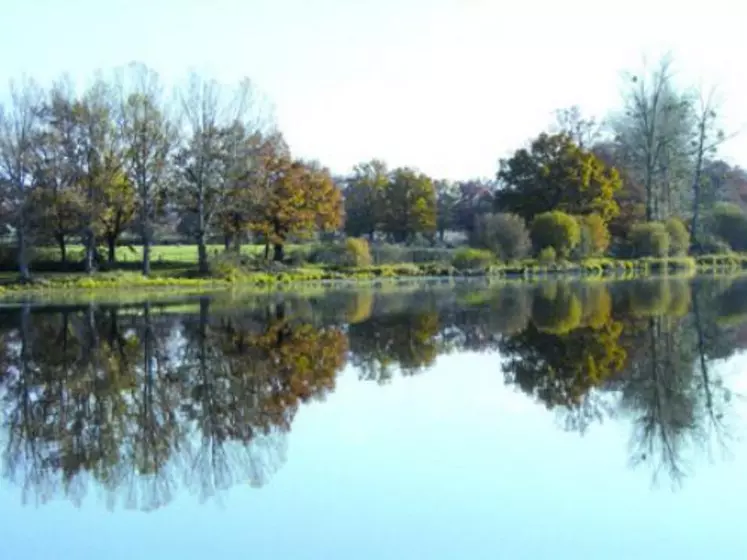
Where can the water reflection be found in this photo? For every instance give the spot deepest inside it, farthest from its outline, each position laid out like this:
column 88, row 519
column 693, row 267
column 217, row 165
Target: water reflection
column 141, row 401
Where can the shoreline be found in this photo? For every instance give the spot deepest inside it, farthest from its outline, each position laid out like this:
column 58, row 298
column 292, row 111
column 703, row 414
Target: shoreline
column 283, row 279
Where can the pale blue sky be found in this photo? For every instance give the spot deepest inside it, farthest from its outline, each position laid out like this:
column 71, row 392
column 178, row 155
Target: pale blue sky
column 448, row 86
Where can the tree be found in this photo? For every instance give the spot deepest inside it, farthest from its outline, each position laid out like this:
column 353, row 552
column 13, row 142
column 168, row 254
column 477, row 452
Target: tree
column 447, row 200
column 728, row 222
column 504, row 234
column 654, row 132
column 555, row 174
column 148, row 137
column 410, row 204
column 19, row 127
column 206, row 159
column 557, row 230
column 296, row 198
column 364, row 198
column 584, row 132
column 679, row 238
column 118, row 204
column 475, row 198
column 58, row 194
column 595, row 237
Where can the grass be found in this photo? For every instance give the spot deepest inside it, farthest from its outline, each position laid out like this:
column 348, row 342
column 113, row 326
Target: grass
column 174, row 270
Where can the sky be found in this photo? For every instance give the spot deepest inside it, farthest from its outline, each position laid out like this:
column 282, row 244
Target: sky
column 447, row 86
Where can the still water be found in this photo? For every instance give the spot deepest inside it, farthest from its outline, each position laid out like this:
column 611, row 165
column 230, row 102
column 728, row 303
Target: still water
column 556, row 420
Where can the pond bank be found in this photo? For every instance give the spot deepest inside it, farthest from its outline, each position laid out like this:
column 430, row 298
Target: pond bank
column 282, row 278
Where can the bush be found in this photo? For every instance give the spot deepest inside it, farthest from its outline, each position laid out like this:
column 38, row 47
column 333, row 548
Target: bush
column 357, row 252
column 649, row 239
column 595, row 237
column 557, row 230
column 468, row 258
column 679, row 237
column 728, row 222
column 504, row 234
column 547, row 256
column 396, row 254
column 353, row 252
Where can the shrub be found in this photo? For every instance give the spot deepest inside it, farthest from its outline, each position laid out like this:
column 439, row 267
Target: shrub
column 595, row 237
column 504, row 234
column 679, row 237
column 547, row 256
column 557, row 230
column 468, row 258
column 649, row 239
column 396, row 254
column 728, row 222
column 357, row 252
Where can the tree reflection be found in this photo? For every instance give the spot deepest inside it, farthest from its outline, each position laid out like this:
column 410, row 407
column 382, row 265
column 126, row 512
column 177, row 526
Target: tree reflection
column 141, row 403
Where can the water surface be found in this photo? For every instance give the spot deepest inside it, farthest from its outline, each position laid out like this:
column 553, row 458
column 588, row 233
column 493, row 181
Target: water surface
column 556, row 420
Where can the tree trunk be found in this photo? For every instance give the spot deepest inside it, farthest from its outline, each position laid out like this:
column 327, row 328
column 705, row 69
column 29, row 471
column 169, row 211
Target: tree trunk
column 146, row 256
column 694, row 243
column 279, row 252
column 202, row 256
column 63, row 248
column 111, row 242
column 267, row 250
column 226, row 242
column 90, row 249
column 23, row 263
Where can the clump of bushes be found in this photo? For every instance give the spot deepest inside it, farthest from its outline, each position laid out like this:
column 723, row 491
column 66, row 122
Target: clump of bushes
column 547, row 256
column 504, row 234
column 650, row 239
column 468, row 258
column 395, row 254
column 679, row 237
column 555, row 229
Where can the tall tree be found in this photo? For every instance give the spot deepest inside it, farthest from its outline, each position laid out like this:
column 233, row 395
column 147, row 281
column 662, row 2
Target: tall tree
column 148, row 136
column 20, row 123
column 206, row 160
column 447, row 203
column 555, row 174
column 654, row 131
column 364, row 198
column 410, row 204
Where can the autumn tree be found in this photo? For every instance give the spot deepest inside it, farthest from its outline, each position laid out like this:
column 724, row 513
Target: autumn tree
column 555, row 174
column 294, row 199
column 410, row 204
column 364, row 198
column 148, row 137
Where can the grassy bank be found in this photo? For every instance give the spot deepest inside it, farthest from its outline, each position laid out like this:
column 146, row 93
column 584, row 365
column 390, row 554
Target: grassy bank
column 177, row 273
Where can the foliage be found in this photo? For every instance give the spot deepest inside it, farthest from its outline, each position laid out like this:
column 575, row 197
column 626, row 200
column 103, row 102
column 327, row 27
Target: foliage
column 504, row 234
column 595, row 237
column 410, row 204
column 547, row 255
column 354, row 252
column 470, row 259
column 557, row 230
column 650, row 239
column 679, row 237
column 728, row 222
column 447, row 203
column 555, row 174
column 364, row 195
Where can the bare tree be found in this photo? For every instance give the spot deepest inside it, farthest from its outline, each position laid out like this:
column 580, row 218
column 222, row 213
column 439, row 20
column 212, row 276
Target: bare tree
column 585, row 132
column 212, row 116
column 19, row 128
column 148, row 136
column 653, row 132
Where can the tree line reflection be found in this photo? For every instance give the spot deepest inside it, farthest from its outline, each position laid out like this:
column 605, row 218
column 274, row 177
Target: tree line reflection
column 144, row 399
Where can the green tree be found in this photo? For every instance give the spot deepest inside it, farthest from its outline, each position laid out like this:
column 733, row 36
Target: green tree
column 728, row 222
column 364, row 198
column 555, row 174
column 595, row 237
column 557, row 230
column 410, row 204
column 447, row 200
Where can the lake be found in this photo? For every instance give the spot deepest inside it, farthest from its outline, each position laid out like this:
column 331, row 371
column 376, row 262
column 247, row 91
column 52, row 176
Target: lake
column 433, row 420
